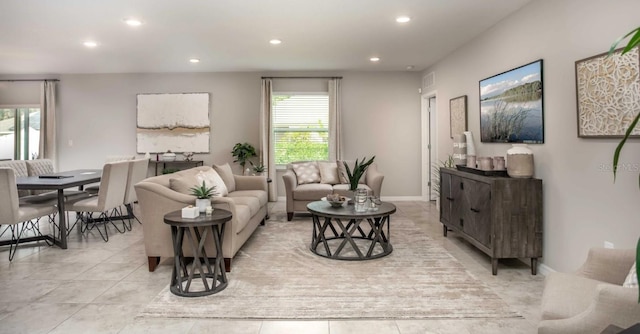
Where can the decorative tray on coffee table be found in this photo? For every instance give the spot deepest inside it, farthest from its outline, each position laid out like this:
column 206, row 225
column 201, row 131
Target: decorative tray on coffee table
column 498, row 172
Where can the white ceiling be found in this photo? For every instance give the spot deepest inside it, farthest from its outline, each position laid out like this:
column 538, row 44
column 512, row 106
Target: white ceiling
column 45, row 36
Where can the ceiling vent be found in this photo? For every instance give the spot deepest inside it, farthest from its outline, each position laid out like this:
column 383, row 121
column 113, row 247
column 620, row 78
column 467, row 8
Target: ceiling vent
column 429, row 80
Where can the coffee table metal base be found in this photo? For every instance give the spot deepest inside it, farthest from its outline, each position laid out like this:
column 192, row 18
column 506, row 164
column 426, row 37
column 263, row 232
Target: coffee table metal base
column 354, row 241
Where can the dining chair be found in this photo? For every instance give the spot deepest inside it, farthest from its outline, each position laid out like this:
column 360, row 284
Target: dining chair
column 137, row 172
column 93, row 189
column 110, row 197
column 19, row 217
column 19, row 169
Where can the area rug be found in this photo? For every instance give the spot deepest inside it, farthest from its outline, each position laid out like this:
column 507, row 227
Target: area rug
column 275, row 276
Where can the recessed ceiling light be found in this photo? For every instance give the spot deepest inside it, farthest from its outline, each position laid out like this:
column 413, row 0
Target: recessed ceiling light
column 275, row 41
column 90, row 44
column 403, row 19
column 409, row 67
column 133, row 22
column 374, row 59
column 194, row 60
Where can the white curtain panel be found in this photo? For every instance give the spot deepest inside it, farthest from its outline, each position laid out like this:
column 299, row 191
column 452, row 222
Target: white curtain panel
column 267, row 144
column 335, row 120
column 48, row 121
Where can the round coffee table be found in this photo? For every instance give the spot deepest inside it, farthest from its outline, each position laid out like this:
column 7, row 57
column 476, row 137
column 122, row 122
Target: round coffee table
column 334, row 239
column 214, row 278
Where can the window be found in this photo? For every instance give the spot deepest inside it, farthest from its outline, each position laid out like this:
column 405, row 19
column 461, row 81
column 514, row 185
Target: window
column 19, row 133
column 301, row 126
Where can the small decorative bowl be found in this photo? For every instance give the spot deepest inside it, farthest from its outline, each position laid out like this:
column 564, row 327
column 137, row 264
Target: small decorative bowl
column 336, row 202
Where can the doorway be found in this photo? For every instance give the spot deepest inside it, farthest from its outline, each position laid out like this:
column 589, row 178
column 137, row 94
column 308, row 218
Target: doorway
column 429, row 144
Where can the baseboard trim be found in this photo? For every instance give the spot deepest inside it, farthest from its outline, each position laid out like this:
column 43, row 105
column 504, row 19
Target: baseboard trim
column 384, row 198
column 544, row 270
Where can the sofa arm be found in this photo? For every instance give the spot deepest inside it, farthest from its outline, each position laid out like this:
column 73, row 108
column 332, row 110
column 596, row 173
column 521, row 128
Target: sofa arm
column 164, row 192
column 374, row 179
column 250, row 182
column 608, row 265
column 290, row 184
column 611, row 304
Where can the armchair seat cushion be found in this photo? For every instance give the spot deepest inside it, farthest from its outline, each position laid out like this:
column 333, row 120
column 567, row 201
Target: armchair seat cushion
column 312, row 191
column 566, row 295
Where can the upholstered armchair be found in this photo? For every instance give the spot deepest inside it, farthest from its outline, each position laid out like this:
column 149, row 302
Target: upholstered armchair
column 593, row 297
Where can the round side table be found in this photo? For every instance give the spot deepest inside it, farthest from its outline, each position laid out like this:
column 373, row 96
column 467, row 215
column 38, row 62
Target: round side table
column 210, row 278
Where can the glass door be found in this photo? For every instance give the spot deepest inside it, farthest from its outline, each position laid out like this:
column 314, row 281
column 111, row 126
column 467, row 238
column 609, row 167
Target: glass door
column 19, row 133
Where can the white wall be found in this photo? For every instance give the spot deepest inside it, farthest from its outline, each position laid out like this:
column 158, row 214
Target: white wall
column 381, row 113
column 582, row 205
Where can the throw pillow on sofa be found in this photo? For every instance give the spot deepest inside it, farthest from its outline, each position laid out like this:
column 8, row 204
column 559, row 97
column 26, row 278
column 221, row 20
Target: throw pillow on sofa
column 328, row 172
column 632, row 278
column 211, row 178
column 342, row 171
column 183, row 184
column 307, row 172
column 226, row 174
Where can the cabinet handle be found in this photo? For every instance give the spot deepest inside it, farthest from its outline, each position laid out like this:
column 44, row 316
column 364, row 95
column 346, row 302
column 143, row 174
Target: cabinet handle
column 450, row 198
column 461, row 185
column 475, row 210
column 461, row 222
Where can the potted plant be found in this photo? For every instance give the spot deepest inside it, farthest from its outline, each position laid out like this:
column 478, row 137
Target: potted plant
column 258, row 169
column 634, row 41
column 358, row 170
column 203, row 196
column 243, row 152
column 435, row 174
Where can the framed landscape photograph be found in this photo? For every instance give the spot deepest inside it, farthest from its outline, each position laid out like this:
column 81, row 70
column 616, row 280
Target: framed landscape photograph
column 458, row 115
column 607, row 93
column 511, row 106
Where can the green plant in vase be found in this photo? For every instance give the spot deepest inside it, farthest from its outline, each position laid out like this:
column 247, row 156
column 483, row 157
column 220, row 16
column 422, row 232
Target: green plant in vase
column 258, row 168
column 203, row 195
column 359, row 168
column 634, row 41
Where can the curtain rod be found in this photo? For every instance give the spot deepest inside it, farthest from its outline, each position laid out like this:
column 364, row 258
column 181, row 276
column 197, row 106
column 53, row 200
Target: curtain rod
column 301, row 77
column 18, row 80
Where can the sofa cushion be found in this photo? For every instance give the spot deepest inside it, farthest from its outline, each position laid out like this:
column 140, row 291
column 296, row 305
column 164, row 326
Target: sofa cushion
column 252, row 203
column 226, row 174
column 307, row 172
column 261, row 195
column 343, row 189
column 312, row 191
column 211, row 179
column 328, row 172
column 342, row 171
column 565, row 295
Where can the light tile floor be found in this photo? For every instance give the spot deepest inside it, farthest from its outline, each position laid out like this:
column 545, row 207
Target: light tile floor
column 98, row 287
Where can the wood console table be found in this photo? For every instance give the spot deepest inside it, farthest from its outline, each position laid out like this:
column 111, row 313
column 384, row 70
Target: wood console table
column 180, row 164
column 501, row 216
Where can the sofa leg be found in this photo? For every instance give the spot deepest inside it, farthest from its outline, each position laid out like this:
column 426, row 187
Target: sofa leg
column 289, row 216
column 154, row 261
column 227, row 264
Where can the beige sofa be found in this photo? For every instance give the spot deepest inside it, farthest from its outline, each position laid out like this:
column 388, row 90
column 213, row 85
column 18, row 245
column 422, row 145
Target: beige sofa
column 592, row 298
column 328, row 180
column 246, row 200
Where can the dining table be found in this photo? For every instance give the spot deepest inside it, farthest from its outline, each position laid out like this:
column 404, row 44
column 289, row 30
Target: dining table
column 59, row 182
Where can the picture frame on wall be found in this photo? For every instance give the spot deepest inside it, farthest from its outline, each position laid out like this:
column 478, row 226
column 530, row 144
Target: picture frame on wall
column 608, row 94
column 512, row 106
column 458, row 115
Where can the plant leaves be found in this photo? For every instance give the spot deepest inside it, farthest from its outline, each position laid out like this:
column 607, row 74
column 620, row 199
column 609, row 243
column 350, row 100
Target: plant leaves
column 616, row 154
column 633, row 42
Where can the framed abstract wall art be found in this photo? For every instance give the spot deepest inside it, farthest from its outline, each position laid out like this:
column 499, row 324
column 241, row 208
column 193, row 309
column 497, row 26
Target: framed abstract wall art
column 511, row 106
column 608, row 94
column 176, row 122
column 458, row 115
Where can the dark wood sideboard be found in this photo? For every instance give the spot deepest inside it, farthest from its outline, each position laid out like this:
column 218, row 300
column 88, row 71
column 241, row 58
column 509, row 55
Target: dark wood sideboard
column 501, row 216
